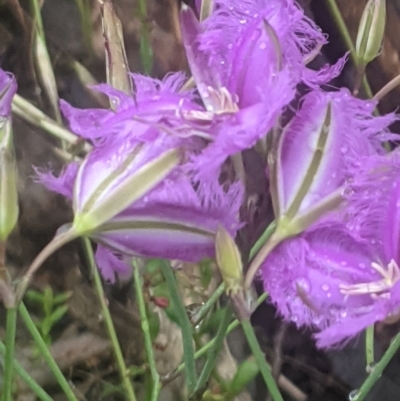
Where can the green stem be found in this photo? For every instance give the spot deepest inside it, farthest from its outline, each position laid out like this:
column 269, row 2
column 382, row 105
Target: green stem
column 378, row 370
column 108, row 320
column 215, row 349
column 146, row 332
column 43, row 348
column 265, row 250
column 202, row 351
column 258, row 354
column 262, row 240
column 337, row 16
column 369, row 347
column 202, row 312
column 146, row 52
column 11, row 325
column 186, row 327
column 24, row 375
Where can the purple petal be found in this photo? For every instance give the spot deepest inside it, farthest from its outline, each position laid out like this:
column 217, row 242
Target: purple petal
column 350, row 136
column 8, row 88
column 174, row 221
column 326, row 278
column 204, row 74
column 63, row 184
column 110, row 265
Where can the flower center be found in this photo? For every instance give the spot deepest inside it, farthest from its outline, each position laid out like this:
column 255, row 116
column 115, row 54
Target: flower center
column 380, row 288
column 222, row 101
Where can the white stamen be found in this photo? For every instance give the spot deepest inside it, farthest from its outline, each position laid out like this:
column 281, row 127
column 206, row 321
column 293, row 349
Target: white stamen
column 379, row 288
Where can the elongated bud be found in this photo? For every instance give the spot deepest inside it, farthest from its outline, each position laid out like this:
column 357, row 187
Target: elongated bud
column 101, row 195
column 8, row 171
column 229, row 261
column 371, row 30
column 45, row 72
column 116, row 60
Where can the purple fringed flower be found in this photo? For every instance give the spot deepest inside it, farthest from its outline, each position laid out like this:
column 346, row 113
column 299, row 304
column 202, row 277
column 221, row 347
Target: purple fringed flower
column 178, row 216
column 247, row 59
column 326, row 138
column 343, row 275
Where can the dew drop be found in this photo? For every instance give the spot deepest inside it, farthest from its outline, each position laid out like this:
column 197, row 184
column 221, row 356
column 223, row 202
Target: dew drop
column 222, row 62
column 344, row 149
column 229, row 46
column 353, row 395
column 303, row 284
column 325, row 287
column 343, row 313
column 242, row 21
column 263, row 45
column 329, row 295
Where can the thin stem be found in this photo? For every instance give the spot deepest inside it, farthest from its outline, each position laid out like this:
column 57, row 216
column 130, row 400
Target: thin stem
column 146, row 332
column 378, row 370
column 28, row 112
column 369, row 347
column 108, row 320
column 258, row 354
column 187, row 340
column 202, row 312
column 337, row 16
column 11, row 325
column 265, row 250
column 146, row 52
column 24, row 375
column 215, row 349
column 56, row 243
column 202, row 351
column 43, row 348
column 387, row 88
column 263, row 239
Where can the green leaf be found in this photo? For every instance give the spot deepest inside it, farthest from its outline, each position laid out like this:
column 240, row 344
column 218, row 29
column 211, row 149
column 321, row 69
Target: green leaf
column 62, row 298
column 34, row 297
column 58, row 313
column 246, row 372
column 186, row 327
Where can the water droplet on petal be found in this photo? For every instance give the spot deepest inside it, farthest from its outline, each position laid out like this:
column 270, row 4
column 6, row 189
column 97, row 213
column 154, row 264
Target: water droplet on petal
column 343, row 313
column 263, row 45
column 229, row 46
column 242, row 21
column 344, row 149
column 353, row 395
column 325, row 287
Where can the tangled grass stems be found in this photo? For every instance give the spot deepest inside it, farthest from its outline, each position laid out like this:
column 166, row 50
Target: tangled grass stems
column 124, row 373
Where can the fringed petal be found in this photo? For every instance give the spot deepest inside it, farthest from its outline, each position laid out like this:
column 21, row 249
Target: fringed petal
column 110, row 265
column 63, row 184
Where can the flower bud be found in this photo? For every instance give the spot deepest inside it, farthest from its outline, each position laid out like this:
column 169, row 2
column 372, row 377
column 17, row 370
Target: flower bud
column 229, row 261
column 8, row 171
column 109, row 182
column 371, row 30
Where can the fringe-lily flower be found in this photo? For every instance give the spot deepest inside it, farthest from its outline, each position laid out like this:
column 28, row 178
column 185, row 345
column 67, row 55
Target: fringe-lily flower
column 247, row 59
column 343, row 275
column 330, row 133
column 164, row 214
